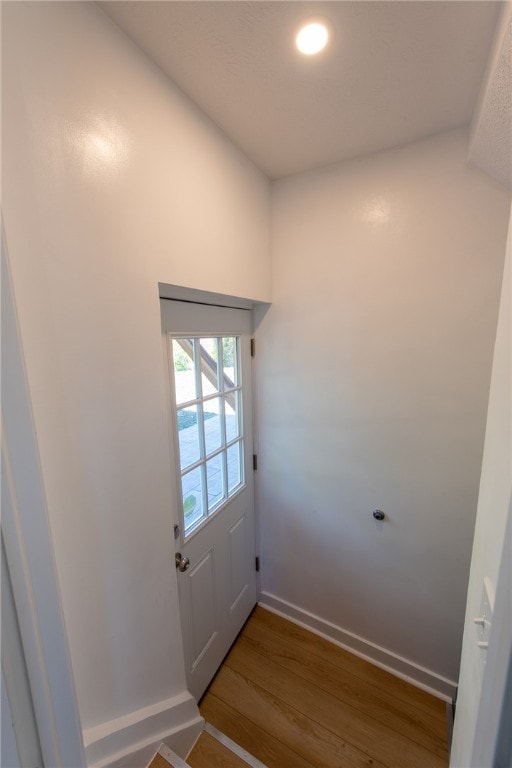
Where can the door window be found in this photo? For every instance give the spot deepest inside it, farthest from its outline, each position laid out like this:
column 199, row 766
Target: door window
column 208, row 423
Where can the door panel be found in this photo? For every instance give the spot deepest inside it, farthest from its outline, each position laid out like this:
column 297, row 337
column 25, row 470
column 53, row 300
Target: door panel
column 238, row 558
column 201, row 592
column 211, row 420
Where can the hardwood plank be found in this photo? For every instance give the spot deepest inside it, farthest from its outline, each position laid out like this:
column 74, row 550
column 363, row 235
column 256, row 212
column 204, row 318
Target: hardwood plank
column 271, row 751
column 323, row 708
column 407, row 693
column 210, row 753
column 299, row 733
column 417, row 725
column 158, row 762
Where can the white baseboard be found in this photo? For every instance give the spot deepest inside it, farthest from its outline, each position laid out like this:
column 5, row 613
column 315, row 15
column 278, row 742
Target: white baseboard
column 397, row 665
column 131, row 741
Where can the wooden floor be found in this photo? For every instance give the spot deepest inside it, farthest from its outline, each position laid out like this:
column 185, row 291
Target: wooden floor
column 209, row 753
column 296, row 701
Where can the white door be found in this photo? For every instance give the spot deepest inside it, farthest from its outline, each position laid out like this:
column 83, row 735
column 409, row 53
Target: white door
column 208, row 350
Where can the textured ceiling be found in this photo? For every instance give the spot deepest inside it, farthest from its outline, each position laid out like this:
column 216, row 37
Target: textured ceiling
column 393, row 73
column 491, row 140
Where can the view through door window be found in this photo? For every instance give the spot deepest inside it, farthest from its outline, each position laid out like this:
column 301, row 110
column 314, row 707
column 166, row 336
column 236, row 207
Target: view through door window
column 208, row 422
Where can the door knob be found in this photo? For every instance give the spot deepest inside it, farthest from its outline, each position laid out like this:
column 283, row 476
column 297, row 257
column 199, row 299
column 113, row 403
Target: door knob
column 182, row 563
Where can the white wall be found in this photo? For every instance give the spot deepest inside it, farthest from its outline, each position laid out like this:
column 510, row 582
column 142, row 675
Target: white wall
column 492, row 551
column 112, row 182
column 374, row 366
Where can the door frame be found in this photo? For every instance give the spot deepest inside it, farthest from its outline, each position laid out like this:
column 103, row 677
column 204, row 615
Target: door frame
column 30, row 556
column 209, row 298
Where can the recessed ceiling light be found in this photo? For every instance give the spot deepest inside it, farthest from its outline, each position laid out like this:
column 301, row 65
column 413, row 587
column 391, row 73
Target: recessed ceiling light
column 312, row 38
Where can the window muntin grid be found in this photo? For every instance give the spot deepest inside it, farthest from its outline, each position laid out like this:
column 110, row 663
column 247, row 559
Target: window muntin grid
column 208, row 423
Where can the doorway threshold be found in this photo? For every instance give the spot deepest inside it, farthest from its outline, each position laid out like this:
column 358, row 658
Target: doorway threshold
column 204, row 744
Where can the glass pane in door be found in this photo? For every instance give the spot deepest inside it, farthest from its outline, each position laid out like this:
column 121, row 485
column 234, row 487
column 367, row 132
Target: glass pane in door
column 192, row 484
column 231, row 411
column 184, row 370
column 234, row 467
column 230, row 360
column 215, row 480
column 208, row 423
column 188, row 436
column 213, row 438
column 209, row 353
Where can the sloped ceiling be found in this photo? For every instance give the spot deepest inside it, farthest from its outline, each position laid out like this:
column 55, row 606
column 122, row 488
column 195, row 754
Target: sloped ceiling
column 394, row 72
